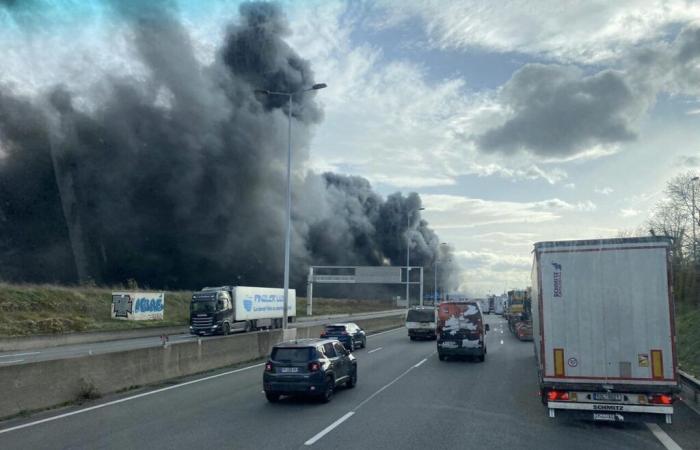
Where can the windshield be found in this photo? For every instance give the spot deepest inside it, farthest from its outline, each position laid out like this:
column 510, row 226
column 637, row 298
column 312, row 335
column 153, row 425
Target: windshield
column 420, row 316
column 336, row 328
column 206, row 306
column 293, row 355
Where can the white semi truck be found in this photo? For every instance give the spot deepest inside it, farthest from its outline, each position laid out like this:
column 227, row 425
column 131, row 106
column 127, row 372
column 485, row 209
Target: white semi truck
column 603, row 328
column 225, row 309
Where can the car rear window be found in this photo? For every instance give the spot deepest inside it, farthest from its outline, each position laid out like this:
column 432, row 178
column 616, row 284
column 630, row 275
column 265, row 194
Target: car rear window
column 335, row 328
column 420, row 316
column 296, row 354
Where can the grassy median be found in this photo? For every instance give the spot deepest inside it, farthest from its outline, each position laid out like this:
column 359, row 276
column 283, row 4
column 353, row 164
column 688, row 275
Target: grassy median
column 48, row 309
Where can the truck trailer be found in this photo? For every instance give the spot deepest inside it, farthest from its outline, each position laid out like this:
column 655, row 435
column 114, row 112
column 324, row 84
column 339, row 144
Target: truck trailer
column 603, row 328
column 225, row 309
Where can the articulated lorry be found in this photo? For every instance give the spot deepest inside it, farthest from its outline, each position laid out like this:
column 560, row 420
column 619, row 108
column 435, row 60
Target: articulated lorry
column 603, row 326
column 225, row 309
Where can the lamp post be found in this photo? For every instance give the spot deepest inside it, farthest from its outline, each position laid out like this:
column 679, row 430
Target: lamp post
column 695, row 245
column 288, row 233
column 408, row 254
column 435, row 289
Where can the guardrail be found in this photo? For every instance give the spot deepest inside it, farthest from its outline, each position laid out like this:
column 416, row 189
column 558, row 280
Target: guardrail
column 692, row 384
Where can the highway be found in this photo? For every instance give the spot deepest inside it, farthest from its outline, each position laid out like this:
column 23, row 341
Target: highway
column 405, row 398
column 94, row 348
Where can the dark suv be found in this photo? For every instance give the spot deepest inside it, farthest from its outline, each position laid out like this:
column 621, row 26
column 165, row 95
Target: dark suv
column 349, row 334
column 308, row 367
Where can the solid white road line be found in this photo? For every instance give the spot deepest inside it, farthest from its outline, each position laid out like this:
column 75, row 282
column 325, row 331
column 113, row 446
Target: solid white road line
column 126, row 399
column 20, row 354
column 329, row 428
column 664, row 438
column 375, row 350
column 10, row 362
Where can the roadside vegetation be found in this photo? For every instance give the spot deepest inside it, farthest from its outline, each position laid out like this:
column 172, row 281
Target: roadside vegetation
column 48, row 309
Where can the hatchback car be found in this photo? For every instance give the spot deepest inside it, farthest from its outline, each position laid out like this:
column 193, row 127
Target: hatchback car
column 313, row 367
column 349, row 334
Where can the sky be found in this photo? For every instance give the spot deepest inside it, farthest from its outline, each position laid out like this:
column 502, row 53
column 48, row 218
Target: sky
column 516, row 121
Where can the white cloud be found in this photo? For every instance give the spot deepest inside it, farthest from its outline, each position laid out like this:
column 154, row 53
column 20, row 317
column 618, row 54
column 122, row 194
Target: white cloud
column 580, row 31
column 604, row 190
column 629, row 212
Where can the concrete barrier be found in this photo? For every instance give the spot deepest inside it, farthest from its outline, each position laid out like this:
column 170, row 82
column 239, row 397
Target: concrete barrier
column 10, row 344
column 44, row 384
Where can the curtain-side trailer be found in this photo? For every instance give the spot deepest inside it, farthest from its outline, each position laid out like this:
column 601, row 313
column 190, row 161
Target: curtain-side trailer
column 603, row 328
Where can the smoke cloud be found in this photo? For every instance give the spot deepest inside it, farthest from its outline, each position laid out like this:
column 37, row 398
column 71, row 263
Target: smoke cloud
column 178, row 180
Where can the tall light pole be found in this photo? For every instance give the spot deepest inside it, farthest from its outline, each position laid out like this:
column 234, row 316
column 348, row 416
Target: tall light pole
column 408, row 253
column 695, row 245
column 435, row 289
column 288, row 233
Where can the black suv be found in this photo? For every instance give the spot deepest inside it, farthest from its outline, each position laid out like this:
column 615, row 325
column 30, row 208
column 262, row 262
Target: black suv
column 308, row 367
column 349, row 334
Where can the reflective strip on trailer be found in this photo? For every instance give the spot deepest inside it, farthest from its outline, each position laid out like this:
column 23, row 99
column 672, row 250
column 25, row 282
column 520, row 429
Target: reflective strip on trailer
column 657, row 364
column 559, row 362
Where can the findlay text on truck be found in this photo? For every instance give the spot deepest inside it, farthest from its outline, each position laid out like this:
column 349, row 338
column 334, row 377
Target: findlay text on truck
column 603, row 326
column 221, row 310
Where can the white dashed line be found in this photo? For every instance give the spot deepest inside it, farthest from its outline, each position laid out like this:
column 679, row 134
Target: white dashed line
column 664, row 438
column 375, row 350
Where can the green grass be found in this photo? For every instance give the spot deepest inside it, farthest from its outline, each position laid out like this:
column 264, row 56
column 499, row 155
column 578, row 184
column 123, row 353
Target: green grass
column 48, row 309
column 688, row 329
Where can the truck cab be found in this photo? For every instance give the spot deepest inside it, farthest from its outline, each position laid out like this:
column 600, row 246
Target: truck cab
column 211, row 312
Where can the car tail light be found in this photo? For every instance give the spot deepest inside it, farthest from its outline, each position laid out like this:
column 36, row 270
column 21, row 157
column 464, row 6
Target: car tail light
column 557, row 395
column 268, row 367
column 323, row 334
column 344, row 333
column 661, row 399
column 314, row 366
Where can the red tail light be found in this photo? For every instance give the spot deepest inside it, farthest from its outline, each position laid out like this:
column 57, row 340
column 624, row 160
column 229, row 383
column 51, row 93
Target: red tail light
column 661, row 399
column 557, row 395
column 268, row 367
column 323, row 334
column 314, row 366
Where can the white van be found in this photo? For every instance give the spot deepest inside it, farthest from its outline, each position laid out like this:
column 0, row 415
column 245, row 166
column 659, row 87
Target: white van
column 421, row 322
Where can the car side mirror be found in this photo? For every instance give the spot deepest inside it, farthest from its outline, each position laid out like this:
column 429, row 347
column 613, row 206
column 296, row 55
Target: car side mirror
column 488, row 327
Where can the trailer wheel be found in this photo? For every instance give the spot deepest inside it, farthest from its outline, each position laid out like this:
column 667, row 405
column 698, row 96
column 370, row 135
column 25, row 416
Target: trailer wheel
column 227, row 329
column 248, row 326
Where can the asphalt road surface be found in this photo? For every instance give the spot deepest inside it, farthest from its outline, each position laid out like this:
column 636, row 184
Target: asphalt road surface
column 405, row 398
column 94, row 348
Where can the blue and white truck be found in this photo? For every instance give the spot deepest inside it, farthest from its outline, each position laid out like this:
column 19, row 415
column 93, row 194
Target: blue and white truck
column 227, row 309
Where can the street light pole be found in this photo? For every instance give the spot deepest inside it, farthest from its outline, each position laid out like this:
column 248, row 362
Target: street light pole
column 288, row 232
column 408, row 254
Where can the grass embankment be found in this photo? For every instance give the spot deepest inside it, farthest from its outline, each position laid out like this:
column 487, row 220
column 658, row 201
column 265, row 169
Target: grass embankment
column 688, row 329
column 46, row 309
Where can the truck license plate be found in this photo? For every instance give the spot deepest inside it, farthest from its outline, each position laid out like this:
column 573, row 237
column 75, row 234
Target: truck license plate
column 607, row 396
column 608, row 417
column 289, row 369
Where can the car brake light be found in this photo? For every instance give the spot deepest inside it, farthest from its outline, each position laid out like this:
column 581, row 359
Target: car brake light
column 314, row 366
column 557, row 395
column 268, row 367
column 323, row 334
column 661, row 399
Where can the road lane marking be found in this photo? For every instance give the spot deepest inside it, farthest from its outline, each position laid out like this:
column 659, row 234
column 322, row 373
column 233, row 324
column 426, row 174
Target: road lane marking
column 20, row 354
column 126, row 399
column 664, row 438
column 501, row 341
column 384, row 332
column 329, row 428
column 10, row 362
column 375, row 350
column 349, row 414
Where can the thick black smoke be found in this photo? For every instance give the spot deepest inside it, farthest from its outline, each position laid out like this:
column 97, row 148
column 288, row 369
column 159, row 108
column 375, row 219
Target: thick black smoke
column 179, row 180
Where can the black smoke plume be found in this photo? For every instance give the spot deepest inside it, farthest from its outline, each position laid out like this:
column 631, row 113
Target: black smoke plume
column 178, row 181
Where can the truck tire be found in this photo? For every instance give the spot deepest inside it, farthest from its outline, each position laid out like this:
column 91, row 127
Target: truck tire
column 248, row 327
column 227, row 329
